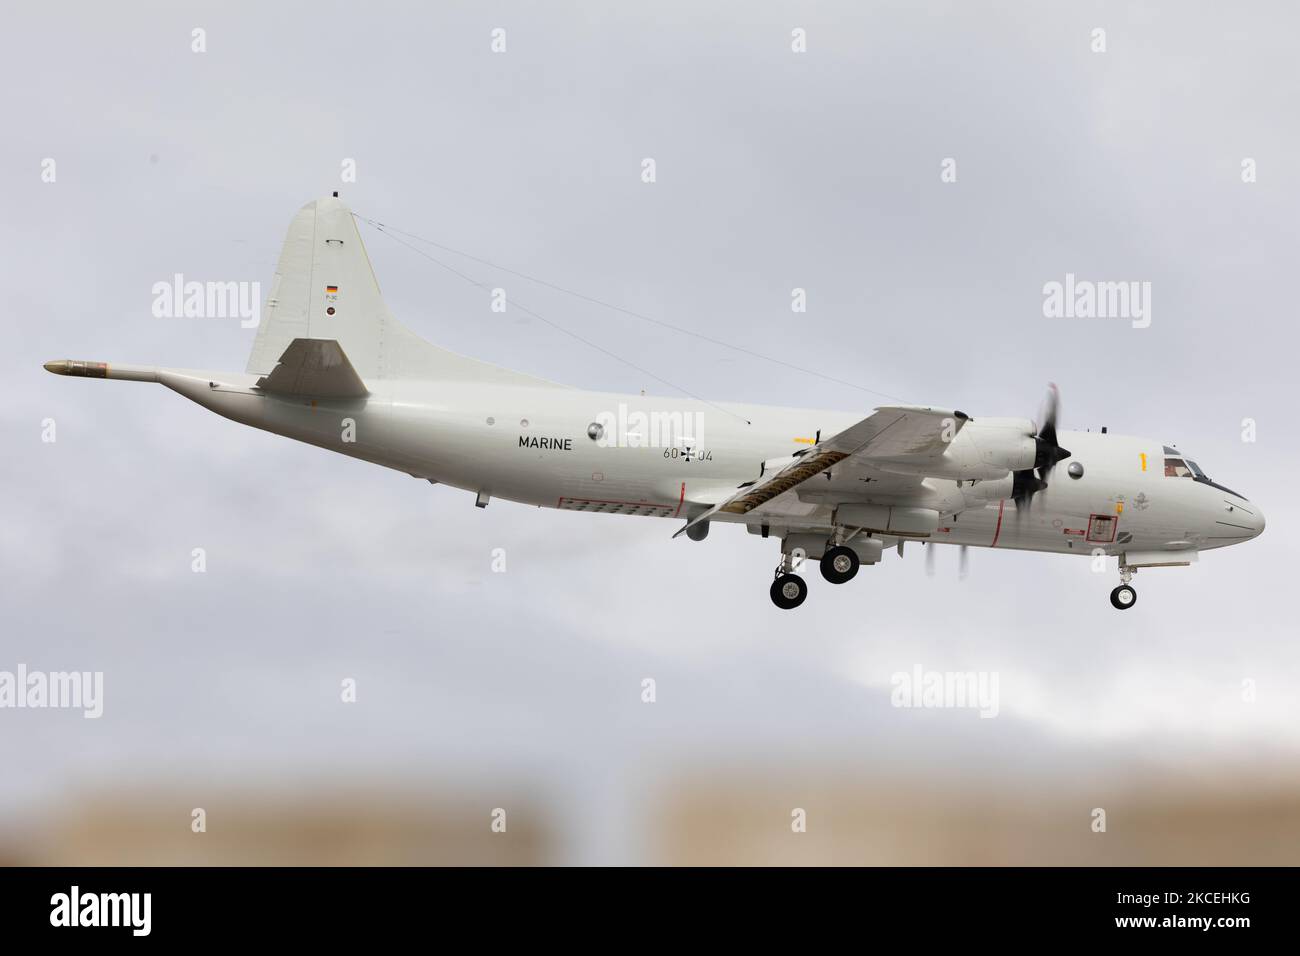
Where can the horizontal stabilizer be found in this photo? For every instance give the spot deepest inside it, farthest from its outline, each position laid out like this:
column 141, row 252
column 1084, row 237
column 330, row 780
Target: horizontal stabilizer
column 314, row 367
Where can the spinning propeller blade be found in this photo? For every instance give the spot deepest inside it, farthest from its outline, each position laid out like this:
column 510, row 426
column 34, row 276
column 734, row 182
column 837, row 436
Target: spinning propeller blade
column 1025, row 484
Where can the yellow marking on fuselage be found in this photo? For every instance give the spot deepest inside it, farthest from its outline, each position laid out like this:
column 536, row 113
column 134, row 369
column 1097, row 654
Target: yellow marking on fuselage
column 1143, row 456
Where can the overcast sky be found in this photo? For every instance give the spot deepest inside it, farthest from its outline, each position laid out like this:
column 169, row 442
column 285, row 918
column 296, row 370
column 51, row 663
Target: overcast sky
column 775, row 170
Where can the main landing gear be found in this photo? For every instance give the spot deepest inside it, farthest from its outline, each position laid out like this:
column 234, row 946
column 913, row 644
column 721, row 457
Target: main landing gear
column 788, row 590
column 840, row 564
column 1124, row 596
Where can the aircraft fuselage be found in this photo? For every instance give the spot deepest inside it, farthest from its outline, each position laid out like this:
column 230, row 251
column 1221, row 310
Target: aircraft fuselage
column 672, row 458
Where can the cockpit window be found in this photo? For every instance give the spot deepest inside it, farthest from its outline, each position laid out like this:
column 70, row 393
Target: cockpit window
column 1176, row 466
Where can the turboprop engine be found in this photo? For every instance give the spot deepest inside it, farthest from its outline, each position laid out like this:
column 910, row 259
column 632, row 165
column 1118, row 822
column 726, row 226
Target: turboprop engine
column 986, row 449
column 989, row 451
column 1022, row 446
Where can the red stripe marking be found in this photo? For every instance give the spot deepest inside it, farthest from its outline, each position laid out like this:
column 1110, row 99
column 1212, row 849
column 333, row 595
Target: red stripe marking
column 680, row 500
column 998, row 530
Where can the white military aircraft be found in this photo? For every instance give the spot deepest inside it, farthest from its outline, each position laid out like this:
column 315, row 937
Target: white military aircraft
column 332, row 367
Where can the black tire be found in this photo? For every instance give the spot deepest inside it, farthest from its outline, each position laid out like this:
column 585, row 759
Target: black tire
column 788, row 591
column 1123, row 597
column 840, row 564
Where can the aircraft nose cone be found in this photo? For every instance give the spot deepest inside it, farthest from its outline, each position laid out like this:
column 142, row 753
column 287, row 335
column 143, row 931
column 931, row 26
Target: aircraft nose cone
column 1257, row 519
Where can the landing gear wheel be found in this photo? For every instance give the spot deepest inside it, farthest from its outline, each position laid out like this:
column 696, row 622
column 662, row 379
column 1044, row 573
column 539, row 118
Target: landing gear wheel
column 1123, row 597
column 839, row 564
column 788, row 591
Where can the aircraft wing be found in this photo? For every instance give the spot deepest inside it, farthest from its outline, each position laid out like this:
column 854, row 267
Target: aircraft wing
column 896, row 434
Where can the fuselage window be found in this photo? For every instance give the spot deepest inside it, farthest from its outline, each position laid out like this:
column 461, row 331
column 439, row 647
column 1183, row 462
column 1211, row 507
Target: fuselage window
column 1177, row 468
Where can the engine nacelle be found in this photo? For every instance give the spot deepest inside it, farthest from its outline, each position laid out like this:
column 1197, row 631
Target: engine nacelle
column 982, row 492
column 986, row 449
column 815, row 545
column 1005, row 442
column 884, row 519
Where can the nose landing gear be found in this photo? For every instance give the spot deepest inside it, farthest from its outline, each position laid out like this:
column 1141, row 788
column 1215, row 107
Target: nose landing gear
column 1124, row 596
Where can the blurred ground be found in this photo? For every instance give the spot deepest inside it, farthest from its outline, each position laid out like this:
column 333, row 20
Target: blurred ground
column 701, row 819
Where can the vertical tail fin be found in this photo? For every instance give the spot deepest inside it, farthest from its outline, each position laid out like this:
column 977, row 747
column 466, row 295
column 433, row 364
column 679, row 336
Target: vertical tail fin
column 325, row 288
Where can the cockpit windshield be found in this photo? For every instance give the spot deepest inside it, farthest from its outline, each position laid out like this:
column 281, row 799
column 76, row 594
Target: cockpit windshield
column 1178, row 466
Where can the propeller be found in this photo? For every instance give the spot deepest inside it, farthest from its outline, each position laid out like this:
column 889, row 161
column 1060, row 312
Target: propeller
column 963, row 567
column 1025, row 484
